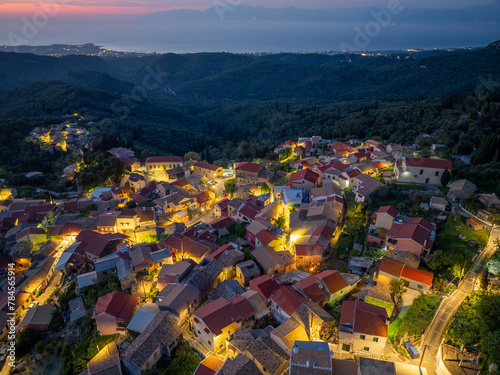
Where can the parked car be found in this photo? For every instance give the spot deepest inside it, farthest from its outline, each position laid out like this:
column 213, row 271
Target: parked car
column 228, row 174
column 412, row 351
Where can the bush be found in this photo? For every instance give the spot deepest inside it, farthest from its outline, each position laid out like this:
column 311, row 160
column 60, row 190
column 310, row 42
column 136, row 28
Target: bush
column 25, row 341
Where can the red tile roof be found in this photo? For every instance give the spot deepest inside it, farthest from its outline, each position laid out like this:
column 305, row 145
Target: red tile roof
column 265, row 237
column 428, row 163
column 340, row 146
column 207, row 166
column 416, row 230
column 301, row 250
column 148, row 189
column 164, row 159
column 365, row 318
column 243, row 307
column 391, row 266
column 288, row 299
column 362, row 154
column 217, row 315
column 415, row 274
column 181, row 183
column 220, row 223
column 217, row 253
column 265, row 285
column 304, row 174
column 209, row 366
column 248, row 167
column 353, row 173
column 249, row 210
column 223, row 204
column 420, row 221
column 309, row 286
column 202, row 197
column 333, row 280
column 117, row 304
column 387, row 210
column 337, row 165
column 324, row 231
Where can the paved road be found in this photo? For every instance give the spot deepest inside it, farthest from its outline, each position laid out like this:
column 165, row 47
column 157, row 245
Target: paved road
column 449, row 306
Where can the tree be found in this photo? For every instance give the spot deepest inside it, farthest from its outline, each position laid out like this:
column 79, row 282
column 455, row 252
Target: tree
column 151, row 238
column 230, row 187
column 445, row 178
column 280, row 222
column 192, row 155
column 131, row 204
column 396, row 293
column 265, row 189
column 26, row 341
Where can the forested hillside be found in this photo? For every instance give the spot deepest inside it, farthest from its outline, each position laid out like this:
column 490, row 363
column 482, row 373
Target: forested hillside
column 236, row 107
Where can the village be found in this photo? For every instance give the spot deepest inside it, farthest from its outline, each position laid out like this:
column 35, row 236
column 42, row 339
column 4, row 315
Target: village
column 319, row 266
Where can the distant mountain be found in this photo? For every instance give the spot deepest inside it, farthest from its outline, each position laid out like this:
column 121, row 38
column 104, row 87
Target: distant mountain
column 269, row 77
column 471, row 14
column 21, row 69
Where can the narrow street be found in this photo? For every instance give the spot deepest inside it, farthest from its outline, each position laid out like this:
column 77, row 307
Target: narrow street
column 433, row 337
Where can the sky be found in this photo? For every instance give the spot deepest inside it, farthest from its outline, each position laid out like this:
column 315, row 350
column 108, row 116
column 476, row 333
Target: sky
column 117, row 7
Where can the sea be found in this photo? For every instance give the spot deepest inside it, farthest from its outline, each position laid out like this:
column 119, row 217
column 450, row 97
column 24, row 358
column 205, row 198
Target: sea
column 243, row 37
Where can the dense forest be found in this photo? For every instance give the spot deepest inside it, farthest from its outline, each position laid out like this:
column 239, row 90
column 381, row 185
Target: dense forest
column 230, row 107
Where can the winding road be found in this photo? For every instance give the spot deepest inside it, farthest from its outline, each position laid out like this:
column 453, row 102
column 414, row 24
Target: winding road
column 433, row 336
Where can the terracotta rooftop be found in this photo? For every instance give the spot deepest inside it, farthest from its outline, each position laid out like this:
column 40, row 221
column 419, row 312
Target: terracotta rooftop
column 220, row 223
column 248, row 167
column 391, row 211
column 207, row 166
column 265, row 285
column 364, row 318
column 333, row 280
column 288, row 299
column 415, row 274
column 217, row 315
column 428, row 163
column 391, row 266
column 309, row 286
column 249, row 210
column 304, row 174
column 117, row 304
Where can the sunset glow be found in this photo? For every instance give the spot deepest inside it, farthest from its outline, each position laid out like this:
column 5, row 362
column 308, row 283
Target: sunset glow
column 24, row 9
column 132, row 7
